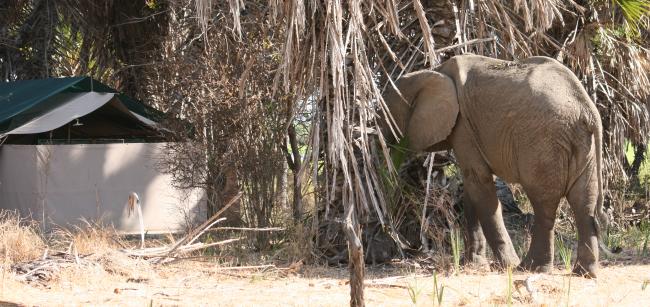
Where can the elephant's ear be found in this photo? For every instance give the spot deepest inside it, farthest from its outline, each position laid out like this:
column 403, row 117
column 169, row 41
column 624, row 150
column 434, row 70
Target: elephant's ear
column 434, row 112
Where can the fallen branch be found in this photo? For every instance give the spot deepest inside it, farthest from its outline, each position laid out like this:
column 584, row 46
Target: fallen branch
column 250, row 267
column 248, row 229
column 376, row 285
column 186, row 244
column 197, row 246
column 205, row 229
column 163, row 252
column 44, row 268
column 206, row 224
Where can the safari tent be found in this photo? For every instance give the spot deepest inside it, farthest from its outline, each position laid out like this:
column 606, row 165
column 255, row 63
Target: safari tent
column 75, row 148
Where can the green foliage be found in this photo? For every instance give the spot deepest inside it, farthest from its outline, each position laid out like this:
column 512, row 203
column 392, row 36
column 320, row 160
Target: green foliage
column 509, row 294
column 636, row 238
column 414, row 290
column 399, row 152
column 612, row 239
column 438, row 290
column 644, row 229
column 152, row 4
column 565, row 252
column 634, row 11
column 644, row 170
column 451, row 170
column 456, row 246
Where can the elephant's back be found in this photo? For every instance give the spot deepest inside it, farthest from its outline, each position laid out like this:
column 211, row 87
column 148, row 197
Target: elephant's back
column 519, row 109
column 534, row 88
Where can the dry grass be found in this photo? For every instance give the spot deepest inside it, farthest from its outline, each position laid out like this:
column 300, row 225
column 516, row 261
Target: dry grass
column 94, row 248
column 299, row 244
column 108, row 277
column 20, row 239
column 90, row 237
column 193, row 283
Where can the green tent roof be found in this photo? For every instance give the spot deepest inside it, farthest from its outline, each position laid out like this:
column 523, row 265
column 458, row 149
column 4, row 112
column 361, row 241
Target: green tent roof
column 21, row 101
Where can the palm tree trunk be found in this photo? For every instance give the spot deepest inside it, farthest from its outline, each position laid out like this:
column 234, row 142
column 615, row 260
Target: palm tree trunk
column 297, row 180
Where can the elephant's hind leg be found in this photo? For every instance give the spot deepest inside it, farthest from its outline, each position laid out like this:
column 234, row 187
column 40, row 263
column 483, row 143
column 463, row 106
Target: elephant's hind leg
column 583, row 197
column 540, row 253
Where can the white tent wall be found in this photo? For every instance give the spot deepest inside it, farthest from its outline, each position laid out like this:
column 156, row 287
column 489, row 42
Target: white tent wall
column 59, row 184
column 19, row 179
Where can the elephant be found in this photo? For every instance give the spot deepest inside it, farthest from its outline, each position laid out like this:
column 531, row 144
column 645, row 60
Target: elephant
column 529, row 122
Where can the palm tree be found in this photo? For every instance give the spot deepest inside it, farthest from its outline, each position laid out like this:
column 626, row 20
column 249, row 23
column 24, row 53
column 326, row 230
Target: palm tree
column 339, row 50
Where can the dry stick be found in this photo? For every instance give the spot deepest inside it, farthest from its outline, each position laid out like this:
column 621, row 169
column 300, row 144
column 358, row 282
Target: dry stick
column 252, row 267
column 44, row 265
column 76, row 255
column 424, row 220
column 205, row 224
column 149, row 252
column 162, row 256
column 4, row 264
column 469, row 42
column 193, row 247
column 248, row 229
column 205, row 229
column 162, row 251
column 386, row 286
column 197, row 246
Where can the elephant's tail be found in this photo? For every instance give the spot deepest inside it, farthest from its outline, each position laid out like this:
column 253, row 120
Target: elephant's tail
column 601, row 220
column 601, row 217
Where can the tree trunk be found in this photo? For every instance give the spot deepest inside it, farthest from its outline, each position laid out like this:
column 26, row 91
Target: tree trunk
column 295, row 163
column 355, row 254
column 220, row 190
column 283, row 187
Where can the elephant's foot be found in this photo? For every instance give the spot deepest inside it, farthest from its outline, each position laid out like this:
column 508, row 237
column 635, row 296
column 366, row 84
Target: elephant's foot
column 531, row 265
column 506, row 259
column 506, row 255
column 476, row 261
column 586, row 270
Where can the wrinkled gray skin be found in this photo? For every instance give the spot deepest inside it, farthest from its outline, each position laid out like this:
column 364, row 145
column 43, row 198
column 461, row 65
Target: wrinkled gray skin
column 529, row 122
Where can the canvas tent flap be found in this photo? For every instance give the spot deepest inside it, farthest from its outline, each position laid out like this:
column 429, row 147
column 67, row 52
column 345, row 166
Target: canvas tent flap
column 29, row 97
column 23, row 101
column 73, row 106
column 144, row 119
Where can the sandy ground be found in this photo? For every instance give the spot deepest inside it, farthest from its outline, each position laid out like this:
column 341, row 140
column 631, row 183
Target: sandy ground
column 207, row 284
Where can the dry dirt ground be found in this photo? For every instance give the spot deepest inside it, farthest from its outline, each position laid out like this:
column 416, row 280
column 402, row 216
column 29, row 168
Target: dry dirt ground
column 207, row 284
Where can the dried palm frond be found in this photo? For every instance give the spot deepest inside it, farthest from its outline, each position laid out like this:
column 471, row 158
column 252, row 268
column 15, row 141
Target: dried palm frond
column 338, row 51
